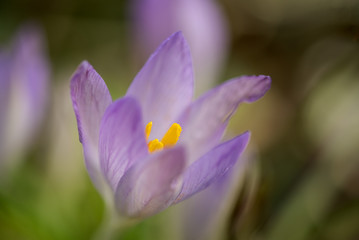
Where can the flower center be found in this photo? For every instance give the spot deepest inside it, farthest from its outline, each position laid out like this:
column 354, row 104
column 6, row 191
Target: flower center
column 169, row 139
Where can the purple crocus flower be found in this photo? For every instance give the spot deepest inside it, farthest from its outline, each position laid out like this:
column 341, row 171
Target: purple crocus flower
column 146, row 176
column 24, row 76
column 202, row 23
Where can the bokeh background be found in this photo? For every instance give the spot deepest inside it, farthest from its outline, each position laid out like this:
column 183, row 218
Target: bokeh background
column 302, row 180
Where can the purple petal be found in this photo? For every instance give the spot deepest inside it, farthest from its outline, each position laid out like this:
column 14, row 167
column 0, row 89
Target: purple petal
column 31, row 68
column 204, row 212
column 90, row 98
column 151, row 185
column 122, row 139
column 27, row 79
column 212, row 166
column 153, row 22
column 204, row 122
column 201, row 22
column 164, row 86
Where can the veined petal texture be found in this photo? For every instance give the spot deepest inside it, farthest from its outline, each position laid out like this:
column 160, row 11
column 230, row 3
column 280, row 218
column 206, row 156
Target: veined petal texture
column 122, row 139
column 90, row 98
column 164, row 86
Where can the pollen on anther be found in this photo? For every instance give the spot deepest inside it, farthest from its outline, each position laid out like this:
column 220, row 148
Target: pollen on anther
column 172, row 135
column 169, row 139
column 155, row 145
column 148, row 130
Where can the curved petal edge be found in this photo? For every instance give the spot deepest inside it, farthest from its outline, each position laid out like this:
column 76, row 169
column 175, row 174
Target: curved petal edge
column 151, row 185
column 122, row 139
column 205, row 120
column 212, row 166
column 166, row 77
column 90, row 98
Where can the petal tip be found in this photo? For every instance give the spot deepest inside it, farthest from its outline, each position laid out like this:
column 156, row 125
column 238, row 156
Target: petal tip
column 246, row 134
column 241, row 141
column 267, row 81
column 245, row 137
column 177, row 35
column 262, row 84
column 84, row 66
column 31, row 33
column 87, row 88
column 177, row 38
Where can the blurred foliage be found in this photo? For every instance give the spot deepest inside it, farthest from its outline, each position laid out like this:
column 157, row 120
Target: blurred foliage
column 305, row 130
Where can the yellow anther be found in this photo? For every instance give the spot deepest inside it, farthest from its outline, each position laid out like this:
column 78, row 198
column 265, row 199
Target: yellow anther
column 172, row 135
column 155, row 145
column 169, row 139
column 148, row 130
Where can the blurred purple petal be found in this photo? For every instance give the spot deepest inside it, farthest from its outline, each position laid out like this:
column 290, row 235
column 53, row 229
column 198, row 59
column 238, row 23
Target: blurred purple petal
column 25, row 76
column 31, row 70
column 202, row 23
column 90, row 98
column 122, row 139
column 151, row 185
column 212, row 166
column 205, row 120
column 164, row 86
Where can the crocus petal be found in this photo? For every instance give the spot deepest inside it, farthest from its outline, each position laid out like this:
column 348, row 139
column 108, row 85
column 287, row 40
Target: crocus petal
column 204, row 122
column 27, row 88
column 122, row 139
column 201, row 22
column 205, row 28
column 90, row 98
column 212, row 166
column 164, row 86
column 205, row 214
column 151, row 185
column 31, row 72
